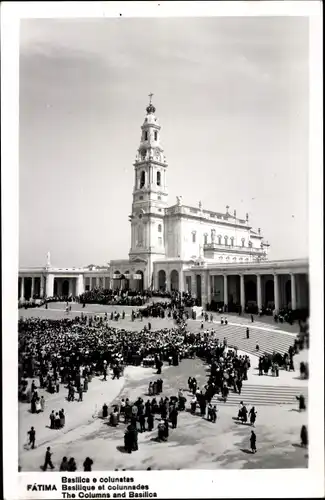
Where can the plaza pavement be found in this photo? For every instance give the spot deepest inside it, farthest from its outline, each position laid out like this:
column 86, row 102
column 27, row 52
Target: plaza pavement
column 196, row 443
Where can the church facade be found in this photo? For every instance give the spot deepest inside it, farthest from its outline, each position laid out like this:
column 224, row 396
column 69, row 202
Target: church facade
column 217, row 256
column 178, row 235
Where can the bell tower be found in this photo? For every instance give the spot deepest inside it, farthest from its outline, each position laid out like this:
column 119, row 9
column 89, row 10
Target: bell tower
column 150, row 194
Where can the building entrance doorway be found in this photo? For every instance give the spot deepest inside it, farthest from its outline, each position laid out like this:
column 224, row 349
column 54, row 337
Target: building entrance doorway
column 65, row 288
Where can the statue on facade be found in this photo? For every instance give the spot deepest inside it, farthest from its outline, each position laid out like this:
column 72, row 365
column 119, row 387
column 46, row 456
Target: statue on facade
column 200, row 205
column 213, row 235
column 179, row 200
column 48, row 259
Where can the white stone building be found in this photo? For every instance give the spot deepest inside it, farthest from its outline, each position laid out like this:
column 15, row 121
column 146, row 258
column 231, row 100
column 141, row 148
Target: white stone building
column 178, row 234
column 216, row 256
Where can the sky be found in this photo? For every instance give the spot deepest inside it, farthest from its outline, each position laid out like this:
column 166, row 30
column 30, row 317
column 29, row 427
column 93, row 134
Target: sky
column 231, row 95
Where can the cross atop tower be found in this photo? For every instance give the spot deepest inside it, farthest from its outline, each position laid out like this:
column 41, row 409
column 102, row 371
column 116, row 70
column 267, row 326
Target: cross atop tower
column 150, row 97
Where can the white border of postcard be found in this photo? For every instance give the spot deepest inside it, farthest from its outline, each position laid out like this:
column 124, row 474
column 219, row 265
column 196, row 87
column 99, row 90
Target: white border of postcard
column 167, row 484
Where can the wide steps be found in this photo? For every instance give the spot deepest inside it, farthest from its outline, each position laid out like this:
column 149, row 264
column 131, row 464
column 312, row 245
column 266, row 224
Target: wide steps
column 263, row 395
column 236, row 336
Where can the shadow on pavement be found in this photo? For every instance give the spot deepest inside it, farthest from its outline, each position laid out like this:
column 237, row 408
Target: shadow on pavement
column 121, row 449
column 245, row 450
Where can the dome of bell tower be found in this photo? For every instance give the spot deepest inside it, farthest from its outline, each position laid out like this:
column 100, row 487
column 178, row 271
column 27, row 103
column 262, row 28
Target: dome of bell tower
column 150, row 109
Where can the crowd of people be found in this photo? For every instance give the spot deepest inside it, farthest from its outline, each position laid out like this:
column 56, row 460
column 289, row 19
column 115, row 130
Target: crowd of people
column 70, row 352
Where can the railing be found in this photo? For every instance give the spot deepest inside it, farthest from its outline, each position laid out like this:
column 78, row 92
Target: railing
column 220, row 246
column 206, row 214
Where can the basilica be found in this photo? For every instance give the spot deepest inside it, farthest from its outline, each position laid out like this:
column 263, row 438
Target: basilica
column 216, row 256
column 176, row 237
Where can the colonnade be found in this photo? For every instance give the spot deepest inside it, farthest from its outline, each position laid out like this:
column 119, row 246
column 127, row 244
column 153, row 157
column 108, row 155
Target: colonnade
column 205, row 292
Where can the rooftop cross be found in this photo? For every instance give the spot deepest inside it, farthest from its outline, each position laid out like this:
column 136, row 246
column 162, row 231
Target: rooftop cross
column 150, row 97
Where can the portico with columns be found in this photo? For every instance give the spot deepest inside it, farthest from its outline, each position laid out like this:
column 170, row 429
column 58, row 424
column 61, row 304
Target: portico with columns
column 41, row 283
column 274, row 284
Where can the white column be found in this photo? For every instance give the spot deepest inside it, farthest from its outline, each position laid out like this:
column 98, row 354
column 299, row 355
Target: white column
column 259, row 291
column 204, row 285
column 33, row 286
column 209, row 278
column 42, row 287
column 225, row 289
column 90, row 283
column 276, row 293
column 22, row 288
column 193, row 285
column 80, row 284
column 242, row 293
column 181, row 281
column 167, row 281
column 293, row 293
column 49, row 285
column 97, row 281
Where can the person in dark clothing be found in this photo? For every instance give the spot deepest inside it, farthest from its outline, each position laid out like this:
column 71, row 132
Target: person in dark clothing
column 128, row 440
column 87, row 464
column 304, row 436
column 105, row 410
column 214, row 414
column 150, row 421
column 203, row 406
column 134, row 438
column 253, row 442
column 64, row 464
column 62, row 418
column 57, row 420
column 173, row 418
column 159, row 366
column 142, row 422
column 32, row 437
column 247, row 333
column 48, row 459
column 161, row 431
column 252, row 318
column 302, row 403
column 166, row 429
column 252, row 415
column 80, row 391
column 72, row 466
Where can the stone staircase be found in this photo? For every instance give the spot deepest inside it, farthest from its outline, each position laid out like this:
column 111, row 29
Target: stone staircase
column 268, row 341
column 262, row 395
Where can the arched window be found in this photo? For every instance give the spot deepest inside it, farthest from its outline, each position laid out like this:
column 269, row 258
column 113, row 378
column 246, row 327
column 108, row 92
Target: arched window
column 156, row 135
column 193, row 237
column 142, row 179
column 159, row 228
column 226, row 240
column 227, row 258
column 232, row 241
column 234, row 259
column 146, row 136
column 206, row 239
column 220, row 258
column 243, row 242
column 219, row 239
column 158, row 178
